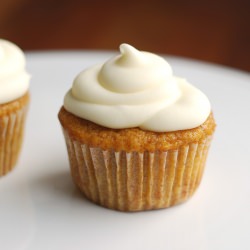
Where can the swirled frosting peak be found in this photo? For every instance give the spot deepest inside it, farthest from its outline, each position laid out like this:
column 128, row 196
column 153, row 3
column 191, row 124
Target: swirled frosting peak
column 136, row 89
column 128, row 71
column 14, row 80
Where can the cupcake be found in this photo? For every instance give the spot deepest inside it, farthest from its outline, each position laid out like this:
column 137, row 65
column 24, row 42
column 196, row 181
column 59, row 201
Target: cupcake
column 137, row 136
column 14, row 99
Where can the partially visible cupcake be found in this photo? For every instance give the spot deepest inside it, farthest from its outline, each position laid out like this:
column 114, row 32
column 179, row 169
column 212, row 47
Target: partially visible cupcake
column 14, row 99
column 137, row 136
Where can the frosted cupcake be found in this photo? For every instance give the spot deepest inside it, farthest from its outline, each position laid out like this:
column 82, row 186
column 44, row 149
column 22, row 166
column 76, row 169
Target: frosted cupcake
column 14, row 99
column 137, row 136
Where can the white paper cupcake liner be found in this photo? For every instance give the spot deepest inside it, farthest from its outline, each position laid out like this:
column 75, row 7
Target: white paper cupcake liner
column 134, row 181
column 11, row 135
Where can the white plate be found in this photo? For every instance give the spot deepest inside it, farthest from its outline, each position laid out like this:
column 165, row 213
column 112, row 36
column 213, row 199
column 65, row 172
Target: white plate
column 41, row 209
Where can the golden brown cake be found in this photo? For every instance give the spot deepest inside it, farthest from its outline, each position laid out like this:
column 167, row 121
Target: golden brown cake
column 137, row 136
column 12, row 121
column 133, row 169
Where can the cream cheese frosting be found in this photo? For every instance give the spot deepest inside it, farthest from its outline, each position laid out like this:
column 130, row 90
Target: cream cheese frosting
column 136, row 89
column 14, row 80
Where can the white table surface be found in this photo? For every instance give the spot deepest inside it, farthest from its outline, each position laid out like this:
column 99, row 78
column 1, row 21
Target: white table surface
column 40, row 208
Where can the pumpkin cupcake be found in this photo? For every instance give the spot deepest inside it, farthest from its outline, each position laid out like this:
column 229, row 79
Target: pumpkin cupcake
column 137, row 136
column 14, row 99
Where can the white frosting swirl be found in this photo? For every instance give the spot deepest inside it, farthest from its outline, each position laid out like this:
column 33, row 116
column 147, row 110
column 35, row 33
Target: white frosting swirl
column 14, row 80
column 136, row 89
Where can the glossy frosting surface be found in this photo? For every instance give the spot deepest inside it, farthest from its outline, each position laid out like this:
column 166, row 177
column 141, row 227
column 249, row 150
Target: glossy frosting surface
column 14, row 80
column 136, row 89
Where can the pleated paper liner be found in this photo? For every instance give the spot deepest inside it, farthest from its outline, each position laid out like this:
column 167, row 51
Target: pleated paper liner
column 134, row 181
column 11, row 136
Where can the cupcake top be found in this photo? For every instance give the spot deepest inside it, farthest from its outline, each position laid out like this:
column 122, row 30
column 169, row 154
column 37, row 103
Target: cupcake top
column 14, row 80
column 136, row 89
